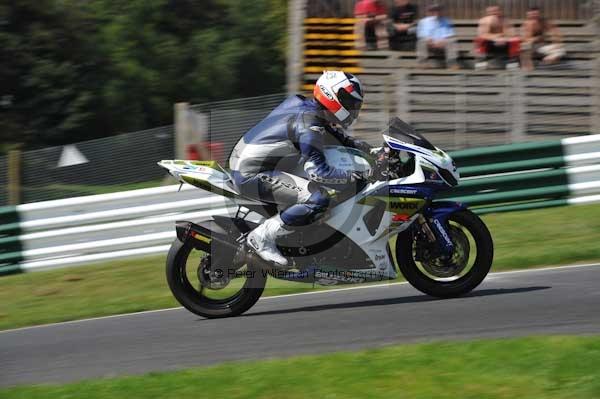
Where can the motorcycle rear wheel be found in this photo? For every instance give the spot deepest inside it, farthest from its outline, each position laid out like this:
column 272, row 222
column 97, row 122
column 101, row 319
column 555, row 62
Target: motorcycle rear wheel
column 196, row 300
column 469, row 224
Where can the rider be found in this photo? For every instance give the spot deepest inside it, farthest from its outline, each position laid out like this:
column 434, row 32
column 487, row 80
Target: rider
column 293, row 134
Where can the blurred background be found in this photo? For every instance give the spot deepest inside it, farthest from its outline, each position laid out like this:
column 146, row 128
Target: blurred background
column 94, row 93
column 87, row 82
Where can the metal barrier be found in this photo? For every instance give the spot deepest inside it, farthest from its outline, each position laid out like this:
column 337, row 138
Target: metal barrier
column 100, row 227
column 89, row 229
column 530, row 175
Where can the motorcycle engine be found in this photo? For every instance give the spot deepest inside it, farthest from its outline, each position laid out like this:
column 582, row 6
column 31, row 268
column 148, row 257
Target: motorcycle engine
column 319, row 245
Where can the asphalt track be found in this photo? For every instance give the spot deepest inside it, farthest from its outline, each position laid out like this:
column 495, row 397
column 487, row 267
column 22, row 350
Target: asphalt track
column 550, row 301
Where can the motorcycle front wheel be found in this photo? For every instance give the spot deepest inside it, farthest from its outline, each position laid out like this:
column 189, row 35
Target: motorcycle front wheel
column 209, row 290
column 447, row 276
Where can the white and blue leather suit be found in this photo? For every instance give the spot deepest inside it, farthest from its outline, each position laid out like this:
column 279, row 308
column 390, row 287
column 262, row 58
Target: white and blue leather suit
column 293, row 135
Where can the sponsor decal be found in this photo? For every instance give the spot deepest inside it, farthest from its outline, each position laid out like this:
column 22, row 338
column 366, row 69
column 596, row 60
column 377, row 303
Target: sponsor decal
column 202, row 238
column 197, row 169
column 442, row 231
column 402, row 191
column 379, row 258
column 400, row 218
column 404, row 205
column 276, row 182
column 327, row 93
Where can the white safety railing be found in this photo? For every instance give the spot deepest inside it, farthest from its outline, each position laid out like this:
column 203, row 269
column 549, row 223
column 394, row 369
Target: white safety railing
column 103, row 227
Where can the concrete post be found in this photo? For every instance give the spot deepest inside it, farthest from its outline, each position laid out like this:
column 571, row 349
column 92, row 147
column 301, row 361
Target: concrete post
column 296, row 15
column 402, row 94
column 595, row 122
column 183, row 130
column 517, row 105
column 191, row 128
column 14, row 177
column 461, row 113
column 388, row 98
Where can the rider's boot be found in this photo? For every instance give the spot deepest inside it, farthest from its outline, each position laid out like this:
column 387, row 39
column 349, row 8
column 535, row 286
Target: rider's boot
column 262, row 240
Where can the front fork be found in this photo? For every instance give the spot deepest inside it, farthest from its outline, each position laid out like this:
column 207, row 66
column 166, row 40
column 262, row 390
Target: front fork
column 432, row 223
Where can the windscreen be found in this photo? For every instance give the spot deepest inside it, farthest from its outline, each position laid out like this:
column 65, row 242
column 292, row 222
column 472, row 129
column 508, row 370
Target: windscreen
column 403, row 131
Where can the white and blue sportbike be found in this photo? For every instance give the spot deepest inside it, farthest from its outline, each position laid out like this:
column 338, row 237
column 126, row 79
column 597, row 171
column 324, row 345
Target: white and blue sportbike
column 441, row 248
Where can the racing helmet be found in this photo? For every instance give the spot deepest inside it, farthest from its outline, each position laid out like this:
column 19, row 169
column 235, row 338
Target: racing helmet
column 341, row 94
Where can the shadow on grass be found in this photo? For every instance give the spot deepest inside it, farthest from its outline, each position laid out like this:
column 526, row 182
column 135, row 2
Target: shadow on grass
column 398, row 301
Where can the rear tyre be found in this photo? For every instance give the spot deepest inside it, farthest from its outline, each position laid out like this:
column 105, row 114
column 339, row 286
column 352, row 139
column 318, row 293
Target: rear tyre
column 196, row 300
column 461, row 224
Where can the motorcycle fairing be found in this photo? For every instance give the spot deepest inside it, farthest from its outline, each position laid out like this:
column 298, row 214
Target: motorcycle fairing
column 437, row 166
column 207, row 175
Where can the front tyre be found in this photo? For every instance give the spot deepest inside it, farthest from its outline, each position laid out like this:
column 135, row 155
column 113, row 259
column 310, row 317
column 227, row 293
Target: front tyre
column 188, row 268
column 447, row 276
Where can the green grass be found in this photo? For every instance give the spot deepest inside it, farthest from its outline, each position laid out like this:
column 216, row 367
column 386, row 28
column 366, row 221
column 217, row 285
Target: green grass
column 523, row 239
column 551, row 236
column 532, row 368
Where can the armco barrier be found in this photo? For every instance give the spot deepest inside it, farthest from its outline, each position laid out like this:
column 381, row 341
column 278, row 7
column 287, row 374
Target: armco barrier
column 100, row 227
column 529, row 175
column 96, row 228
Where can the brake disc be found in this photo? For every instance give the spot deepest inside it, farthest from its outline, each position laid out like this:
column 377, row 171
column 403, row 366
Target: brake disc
column 448, row 266
column 214, row 279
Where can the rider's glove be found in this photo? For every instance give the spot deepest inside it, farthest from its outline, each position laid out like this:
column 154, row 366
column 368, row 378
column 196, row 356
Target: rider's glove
column 375, row 151
column 362, row 146
column 364, row 177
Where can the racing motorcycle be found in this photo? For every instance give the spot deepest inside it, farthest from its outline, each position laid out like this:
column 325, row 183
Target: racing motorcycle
column 441, row 248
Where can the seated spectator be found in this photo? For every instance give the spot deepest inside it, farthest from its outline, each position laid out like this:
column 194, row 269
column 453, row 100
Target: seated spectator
column 541, row 40
column 370, row 28
column 435, row 35
column 403, row 26
column 496, row 39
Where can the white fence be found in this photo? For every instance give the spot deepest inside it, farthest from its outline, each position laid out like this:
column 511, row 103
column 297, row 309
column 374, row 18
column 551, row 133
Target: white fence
column 109, row 226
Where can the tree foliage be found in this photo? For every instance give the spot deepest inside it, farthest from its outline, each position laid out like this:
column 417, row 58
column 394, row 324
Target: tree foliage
column 74, row 70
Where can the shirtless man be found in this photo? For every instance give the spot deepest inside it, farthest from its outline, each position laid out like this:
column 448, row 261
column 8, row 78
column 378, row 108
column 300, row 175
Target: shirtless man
column 541, row 38
column 496, row 38
column 370, row 28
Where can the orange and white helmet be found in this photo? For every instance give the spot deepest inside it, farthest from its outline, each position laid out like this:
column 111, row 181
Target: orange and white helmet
column 341, row 94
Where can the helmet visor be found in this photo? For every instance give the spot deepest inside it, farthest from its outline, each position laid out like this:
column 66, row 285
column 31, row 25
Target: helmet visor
column 351, row 101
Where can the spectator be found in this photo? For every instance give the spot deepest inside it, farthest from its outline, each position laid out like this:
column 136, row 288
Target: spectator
column 541, row 39
column 370, row 28
column 496, row 39
column 435, row 35
column 403, row 26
